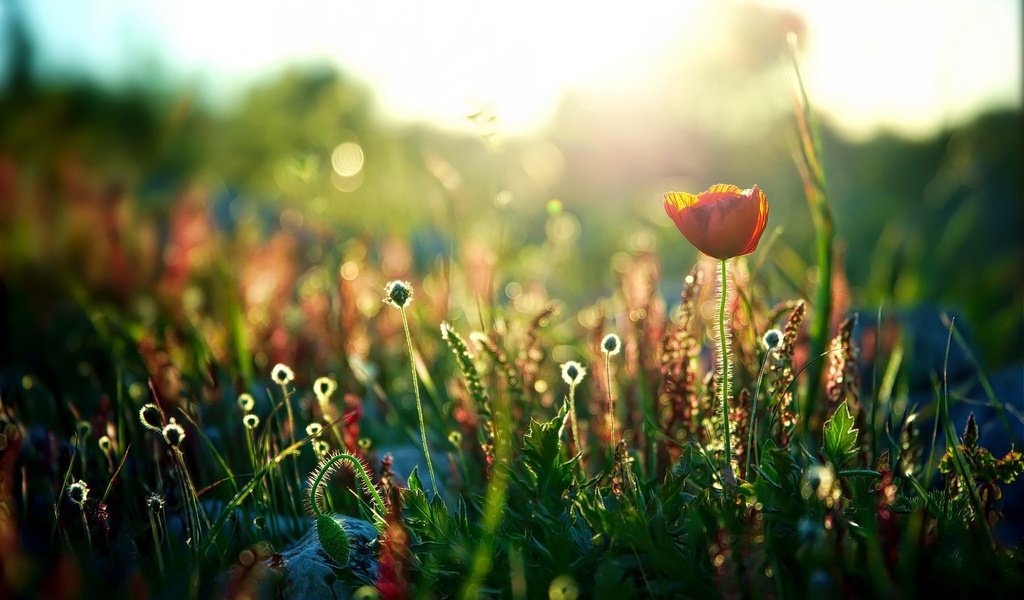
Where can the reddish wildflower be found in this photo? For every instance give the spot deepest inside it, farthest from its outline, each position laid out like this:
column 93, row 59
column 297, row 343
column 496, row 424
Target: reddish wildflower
column 677, row 395
column 841, row 377
column 722, row 222
column 395, row 555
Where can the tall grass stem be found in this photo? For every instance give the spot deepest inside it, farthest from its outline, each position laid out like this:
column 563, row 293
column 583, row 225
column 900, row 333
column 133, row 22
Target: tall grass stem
column 419, row 403
column 812, row 172
column 753, row 413
column 612, row 424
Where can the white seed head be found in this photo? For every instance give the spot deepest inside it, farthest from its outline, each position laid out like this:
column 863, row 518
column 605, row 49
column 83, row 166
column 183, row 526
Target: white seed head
column 324, row 388
column 573, row 372
column 151, row 417
column 173, row 433
column 251, row 421
column 282, row 374
column 611, row 344
column 772, row 339
column 398, row 293
column 314, row 429
column 105, row 444
column 246, row 402
column 78, row 492
column 154, row 503
column 321, row 448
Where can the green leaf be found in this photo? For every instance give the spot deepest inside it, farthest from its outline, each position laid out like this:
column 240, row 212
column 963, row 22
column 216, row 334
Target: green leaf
column 971, row 433
column 414, row 480
column 541, row 446
column 840, row 436
column 542, row 457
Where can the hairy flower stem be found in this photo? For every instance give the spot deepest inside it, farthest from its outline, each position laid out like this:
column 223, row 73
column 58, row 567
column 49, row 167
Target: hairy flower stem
column 612, row 424
column 723, row 349
column 572, row 419
column 419, row 404
column 326, row 468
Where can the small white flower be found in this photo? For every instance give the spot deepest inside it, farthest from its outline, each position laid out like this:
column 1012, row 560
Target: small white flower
column 611, row 344
column 321, row 448
column 573, row 372
column 314, row 429
column 398, row 293
column 324, row 387
column 282, row 374
column 173, row 433
column 246, row 402
column 251, row 421
column 151, row 417
column 78, row 492
column 772, row 339
column 105, row 444
column 154, row 503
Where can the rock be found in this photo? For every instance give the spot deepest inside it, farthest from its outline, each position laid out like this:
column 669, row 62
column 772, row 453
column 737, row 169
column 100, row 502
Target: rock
column 304, row 571
column 924, row 337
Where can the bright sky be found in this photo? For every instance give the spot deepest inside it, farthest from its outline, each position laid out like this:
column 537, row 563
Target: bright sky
column 910, row 65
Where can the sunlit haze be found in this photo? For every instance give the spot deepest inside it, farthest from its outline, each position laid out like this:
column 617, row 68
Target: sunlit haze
column 911, row 65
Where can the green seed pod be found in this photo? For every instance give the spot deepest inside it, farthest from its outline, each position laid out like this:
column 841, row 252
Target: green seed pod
column 333, row 539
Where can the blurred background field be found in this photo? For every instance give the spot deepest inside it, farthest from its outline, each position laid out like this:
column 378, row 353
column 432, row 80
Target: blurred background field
column 149, row 155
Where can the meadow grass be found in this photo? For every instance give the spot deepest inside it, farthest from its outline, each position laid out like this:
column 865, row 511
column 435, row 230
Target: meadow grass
column 769, row 471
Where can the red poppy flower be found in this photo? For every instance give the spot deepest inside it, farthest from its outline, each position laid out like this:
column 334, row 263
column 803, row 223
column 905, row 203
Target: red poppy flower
column 722, row 222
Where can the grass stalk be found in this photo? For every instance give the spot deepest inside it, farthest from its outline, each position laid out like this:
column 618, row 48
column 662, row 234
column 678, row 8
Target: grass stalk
column 573, row 422
column 156, row 541
column 63, row 488
column 753, row 413
column 812, row 172
column 612, row 422
column 495, row 501
column 85, row 526
column 419, row 403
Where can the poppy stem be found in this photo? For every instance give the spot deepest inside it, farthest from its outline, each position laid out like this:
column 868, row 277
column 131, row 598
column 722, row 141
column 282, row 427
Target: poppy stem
column 723, row 347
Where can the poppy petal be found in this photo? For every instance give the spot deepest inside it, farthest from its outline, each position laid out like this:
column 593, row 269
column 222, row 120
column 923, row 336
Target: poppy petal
column 762, row 220
column 721, row 191
column 723, row 221
column 680, row 200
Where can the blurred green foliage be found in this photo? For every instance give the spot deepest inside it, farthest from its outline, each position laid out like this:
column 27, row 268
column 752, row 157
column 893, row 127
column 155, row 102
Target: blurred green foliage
column 934, row 222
